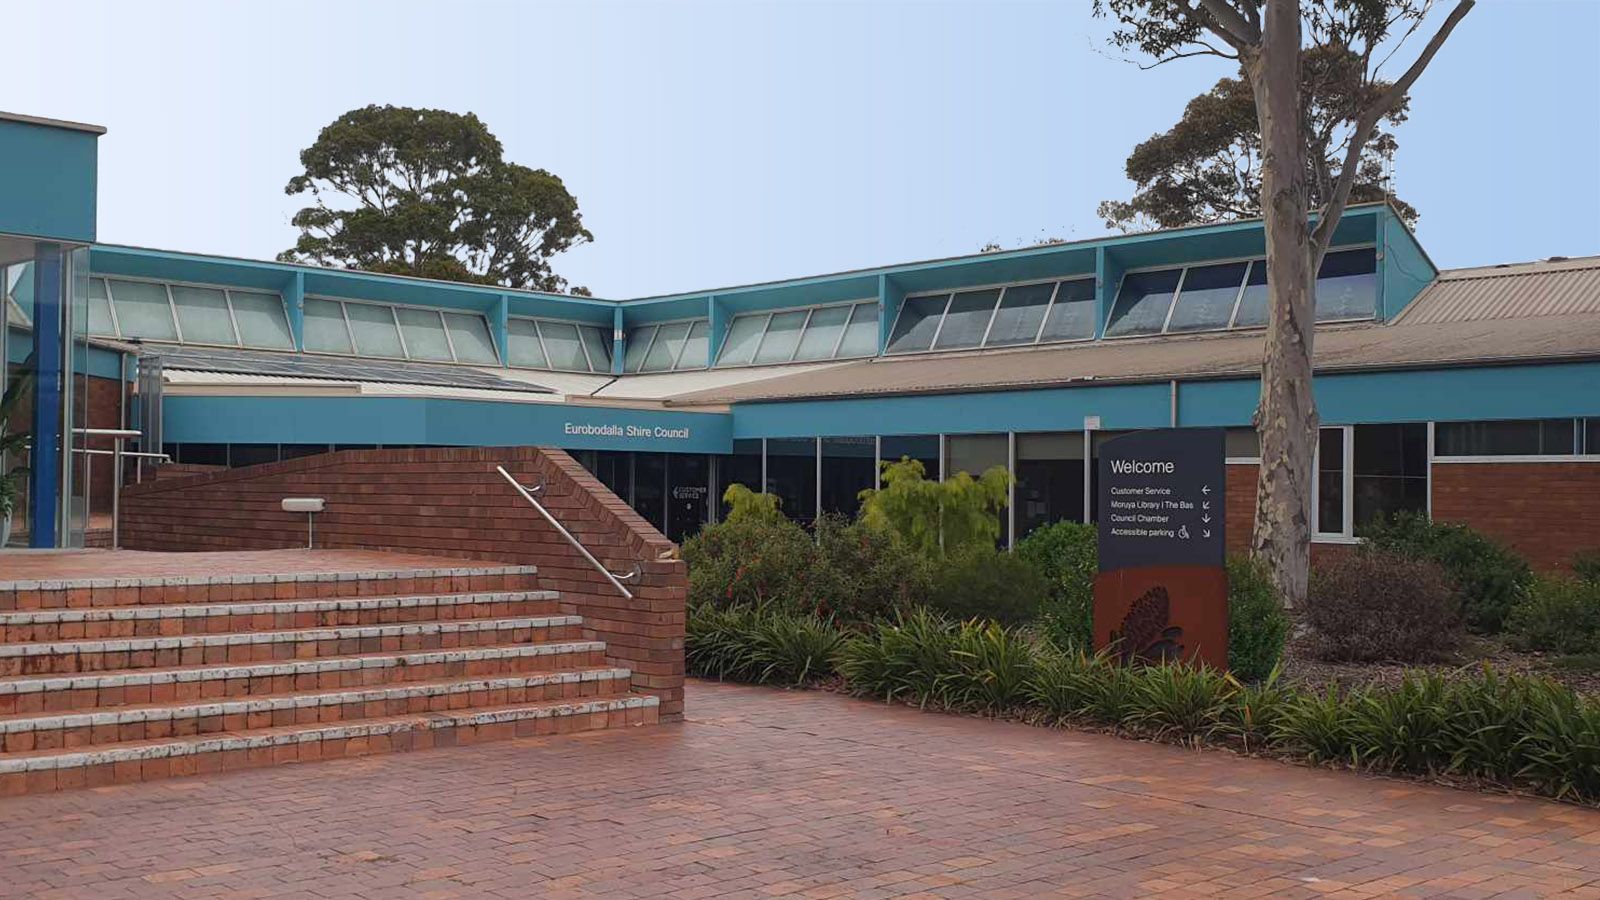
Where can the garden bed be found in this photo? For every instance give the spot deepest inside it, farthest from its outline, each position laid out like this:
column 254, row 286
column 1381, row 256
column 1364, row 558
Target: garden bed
column 1580, row 673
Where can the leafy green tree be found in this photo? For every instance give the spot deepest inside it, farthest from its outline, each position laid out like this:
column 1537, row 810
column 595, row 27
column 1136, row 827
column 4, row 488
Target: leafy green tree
column 937, row 517
column 1207, row 167
column 427, row 192
column 1270, row 40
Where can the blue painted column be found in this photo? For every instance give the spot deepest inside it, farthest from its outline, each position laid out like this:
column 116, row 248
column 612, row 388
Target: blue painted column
column 500, row 321
column 44, row 476
column 1107, row 278
column 890, row 296
column 294, row 298
column 716, row 328
column 619, row 345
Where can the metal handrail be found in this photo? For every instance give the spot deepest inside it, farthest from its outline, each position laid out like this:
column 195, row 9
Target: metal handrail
column 613, row 577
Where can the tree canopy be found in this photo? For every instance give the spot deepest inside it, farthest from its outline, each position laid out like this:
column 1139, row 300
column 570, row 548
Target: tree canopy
column 1207, row 167
column 427, row 192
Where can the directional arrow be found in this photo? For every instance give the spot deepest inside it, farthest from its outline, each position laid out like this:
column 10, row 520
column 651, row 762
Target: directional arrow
column 1206, row 505
column 1206, row 518
column 1206, row 489
column 1205, row 533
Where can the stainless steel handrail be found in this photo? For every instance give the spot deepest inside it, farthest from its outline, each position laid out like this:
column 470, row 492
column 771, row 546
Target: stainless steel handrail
column 613, row 577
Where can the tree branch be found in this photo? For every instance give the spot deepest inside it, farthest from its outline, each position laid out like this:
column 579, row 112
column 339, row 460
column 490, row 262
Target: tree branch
column 1369, row 120
column 1228, row 24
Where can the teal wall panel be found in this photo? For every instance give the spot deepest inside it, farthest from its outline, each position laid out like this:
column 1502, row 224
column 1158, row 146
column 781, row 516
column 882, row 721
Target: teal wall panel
column 48, row 179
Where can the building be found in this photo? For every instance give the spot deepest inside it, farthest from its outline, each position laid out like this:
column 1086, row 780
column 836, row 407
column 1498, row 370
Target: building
column 1472, row 394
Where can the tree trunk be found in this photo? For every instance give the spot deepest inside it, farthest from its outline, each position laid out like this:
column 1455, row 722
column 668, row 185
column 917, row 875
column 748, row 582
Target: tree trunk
column 1286, row 419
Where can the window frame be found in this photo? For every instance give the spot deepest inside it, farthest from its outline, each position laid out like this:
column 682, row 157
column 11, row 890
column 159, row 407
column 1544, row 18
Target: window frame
column 1003, row 286
column 766, row 316
column 544, row 350
column 227, row 291
column 1347, row 483
column 655, row 333
column 444, row 327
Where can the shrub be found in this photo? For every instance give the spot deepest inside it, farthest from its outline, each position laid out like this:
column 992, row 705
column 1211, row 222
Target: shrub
column 908, row 659
column 1318, row 726
column 1560, row 615
column 1064, row 682
column 754, row 561
column 764, row 646
column 1401, row 728
column 1067, row 555
column 1377, row 605
column 718, row 644
column 1257, row 623
column 1485, row 720
column 865, row 574
column 1489, row 577
column 1586, row 565
column 1181, row 701
column 745, row 505
column 938, row 517
column 982, row 582
column 994, row 666
column 1561, row 748
column 1255, row 711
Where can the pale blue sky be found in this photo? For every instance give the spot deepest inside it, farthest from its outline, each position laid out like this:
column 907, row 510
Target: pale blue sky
column 715, row 143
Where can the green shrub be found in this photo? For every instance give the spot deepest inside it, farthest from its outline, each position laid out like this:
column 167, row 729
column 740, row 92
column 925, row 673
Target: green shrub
column 1065, row 682
column 763, row 646
column 985, row 583
column 1561, row 749
column 1255, row 711
column 1586, row 565
column 1183, row 701
column 1561, row 615
column 1257, row 623
column 1378, row 605
column 1401, row 728
column 1318, row 726
column 1485, row 720
column 909, row 659
column 745, row 505
column 754, row 561
column 865, row 574
column 1489, row 577
column 994, row 666
column 1114, row 695
column 1067, row 555
column 937, row 517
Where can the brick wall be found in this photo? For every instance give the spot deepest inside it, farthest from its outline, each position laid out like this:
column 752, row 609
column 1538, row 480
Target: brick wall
column 448, row 502
column 1241, row 515
column 170, row 471
column 1546, row 511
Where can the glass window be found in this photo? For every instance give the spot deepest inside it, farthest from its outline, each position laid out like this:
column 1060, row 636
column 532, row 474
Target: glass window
column 696, row 346
column 1050, row 479
column 668, row 344
column 649, row 486
column 143, row 311
column 203, row 315
column 918, row 320
column 99, row 308
column 792, row 476
column 1207, row 297
column 1512, row 437
column 1391, row 471
column 325, row 330
column 740, row 343
column 1253, row 302
column 1242, row 443
column 1591, row 442
column 470, row 335
column 1330, row 482
column 967, row 319
column 782, row 337
column 1020, row 314
column 1072, row 313
column 562, row 347
column 849, row 466
column 976, row 454
column 597, row 341
column 688, row 494
column 251, row 454
column 1142, row 303
column 374, row 329
column 424, row 334
column 743, row 467
column 525, row 350
column 637, row 345
column 262, row 321
column 861, row 335
column 922, row 448
column 1347, row 285
column 823, row 332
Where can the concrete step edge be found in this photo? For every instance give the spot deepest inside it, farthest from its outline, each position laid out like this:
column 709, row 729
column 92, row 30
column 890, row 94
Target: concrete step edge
column 330, row 633
column 280, row 702
column 142, row 581
column 260, row 607
column 21, row 763
column 138, row 677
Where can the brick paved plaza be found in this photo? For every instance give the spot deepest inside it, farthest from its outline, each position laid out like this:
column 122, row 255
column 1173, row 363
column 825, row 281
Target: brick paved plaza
column 767, row 793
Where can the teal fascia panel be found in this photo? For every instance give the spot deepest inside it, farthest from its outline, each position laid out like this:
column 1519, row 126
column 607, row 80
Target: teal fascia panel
column 1404, row 267
column 49, row 179
column 1107, row 279
column 619, row 341
column 1049, row 409
column 438, row 421
column 890, row 296
column 498, row 322
column 294, row 300
column 1439, row 395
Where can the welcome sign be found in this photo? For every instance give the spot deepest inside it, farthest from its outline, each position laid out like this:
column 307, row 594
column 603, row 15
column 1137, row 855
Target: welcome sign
column 1162, row 590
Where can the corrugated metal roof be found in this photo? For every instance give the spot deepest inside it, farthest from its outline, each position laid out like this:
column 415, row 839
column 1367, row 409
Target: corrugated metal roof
column 1558, row 287
column 181, row 382
column 662, row 385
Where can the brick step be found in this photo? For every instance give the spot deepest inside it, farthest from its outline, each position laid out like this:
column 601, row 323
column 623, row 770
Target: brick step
column 78, row 730
column 260, row 646
column 134, row 687
column 78, row 593
column 142, row 761
column 167, row 620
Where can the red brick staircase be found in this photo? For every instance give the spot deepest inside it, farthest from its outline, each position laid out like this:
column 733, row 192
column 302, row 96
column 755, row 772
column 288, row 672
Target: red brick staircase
column 108, row 681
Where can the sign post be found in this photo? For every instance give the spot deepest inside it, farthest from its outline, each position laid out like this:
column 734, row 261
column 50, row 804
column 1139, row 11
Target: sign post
column 1162, row 591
